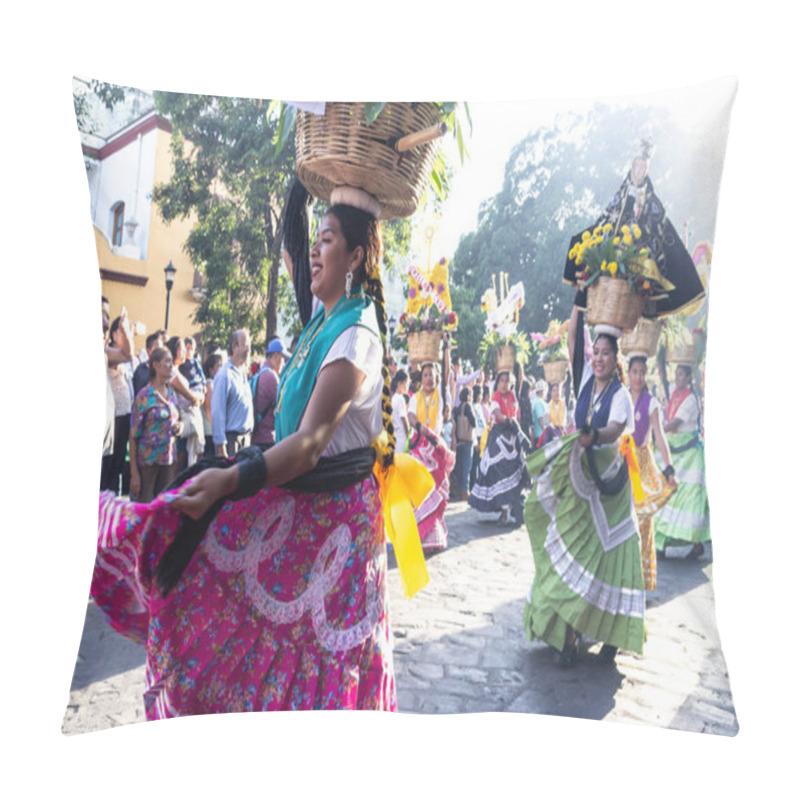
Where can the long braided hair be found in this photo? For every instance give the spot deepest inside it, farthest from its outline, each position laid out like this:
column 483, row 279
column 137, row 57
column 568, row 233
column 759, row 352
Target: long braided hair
column 360, row 228
column 296, row 243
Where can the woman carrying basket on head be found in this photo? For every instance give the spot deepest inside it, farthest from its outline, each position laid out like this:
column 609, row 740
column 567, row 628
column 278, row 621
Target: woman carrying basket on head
column 581, row 519
column 270, row 593
column 658, row 487
column 426, row 418
column 685, row 518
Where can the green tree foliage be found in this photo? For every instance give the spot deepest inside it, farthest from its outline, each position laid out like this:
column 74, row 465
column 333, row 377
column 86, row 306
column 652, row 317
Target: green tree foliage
column 558, row 180
column 228, row 178
column 84, row 93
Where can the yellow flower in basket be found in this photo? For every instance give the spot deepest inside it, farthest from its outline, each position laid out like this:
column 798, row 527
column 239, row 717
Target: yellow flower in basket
column 615, row 240
column 585, row 236
column 597, row 231
column 612, row 268
column 603, row 267
column 627, row 239
column 637, row 231
column 625, row 229
column 607, row 227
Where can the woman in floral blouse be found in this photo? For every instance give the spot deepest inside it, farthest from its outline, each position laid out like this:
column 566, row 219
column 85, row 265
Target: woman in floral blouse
column 154, row 425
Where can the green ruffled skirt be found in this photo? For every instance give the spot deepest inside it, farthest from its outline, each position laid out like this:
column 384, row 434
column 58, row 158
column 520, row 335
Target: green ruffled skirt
column 586, row 552
column 685, row 519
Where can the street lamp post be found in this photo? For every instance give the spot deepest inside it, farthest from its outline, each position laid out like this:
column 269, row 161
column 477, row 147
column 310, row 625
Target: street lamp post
column 169, row 278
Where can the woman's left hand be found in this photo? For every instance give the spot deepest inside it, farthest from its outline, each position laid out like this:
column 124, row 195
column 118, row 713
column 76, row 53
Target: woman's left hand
column 199, row 494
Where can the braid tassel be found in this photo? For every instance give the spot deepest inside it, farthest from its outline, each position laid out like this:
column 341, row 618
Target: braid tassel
column 386, row 444
column 404, row 482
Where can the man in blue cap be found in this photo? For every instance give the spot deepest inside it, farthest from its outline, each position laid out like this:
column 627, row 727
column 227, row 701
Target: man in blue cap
column 265, row 393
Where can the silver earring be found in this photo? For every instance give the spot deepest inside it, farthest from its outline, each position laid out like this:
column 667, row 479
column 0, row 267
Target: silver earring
column 348, row 283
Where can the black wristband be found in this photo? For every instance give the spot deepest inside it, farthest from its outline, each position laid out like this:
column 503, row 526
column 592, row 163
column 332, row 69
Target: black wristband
column 587, row 429
column 580, row 298
column 668, row 471
column 252, row 472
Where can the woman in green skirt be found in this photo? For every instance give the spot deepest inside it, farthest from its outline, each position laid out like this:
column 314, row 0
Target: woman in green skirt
column 684, row 519
column 581, row 518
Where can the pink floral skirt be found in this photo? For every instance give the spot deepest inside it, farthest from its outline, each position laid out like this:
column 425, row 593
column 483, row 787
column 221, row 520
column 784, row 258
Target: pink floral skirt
column 283, row 605
column 440, row 460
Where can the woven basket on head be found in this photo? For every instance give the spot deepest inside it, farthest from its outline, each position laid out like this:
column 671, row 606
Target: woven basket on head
column 555, row 371
column 340, row 149
column 682, row 353
column 610, row 301
column 504, row 358
column 424, row 346
column 642, row 339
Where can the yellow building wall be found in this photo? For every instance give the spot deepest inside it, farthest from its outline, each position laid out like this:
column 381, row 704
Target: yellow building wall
column 147, row 304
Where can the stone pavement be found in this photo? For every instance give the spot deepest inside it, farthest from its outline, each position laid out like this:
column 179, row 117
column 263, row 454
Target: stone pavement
column 459, row 647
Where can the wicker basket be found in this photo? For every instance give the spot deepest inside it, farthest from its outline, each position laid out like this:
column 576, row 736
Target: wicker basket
column 424, row 346
column 340, row 149
column 504, row 358
column 555, row 371
column 610, row 301
column 682, row 353
column 643, row 338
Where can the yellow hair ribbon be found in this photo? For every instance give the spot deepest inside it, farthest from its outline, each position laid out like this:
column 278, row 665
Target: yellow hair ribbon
column 405, row 482
column 628, row 451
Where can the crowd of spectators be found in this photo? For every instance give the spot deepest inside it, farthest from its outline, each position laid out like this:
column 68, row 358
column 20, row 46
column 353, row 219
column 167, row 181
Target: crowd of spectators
column 166, row 409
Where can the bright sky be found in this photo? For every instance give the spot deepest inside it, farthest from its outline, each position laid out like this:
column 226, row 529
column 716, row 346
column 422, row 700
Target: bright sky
column 496, row 128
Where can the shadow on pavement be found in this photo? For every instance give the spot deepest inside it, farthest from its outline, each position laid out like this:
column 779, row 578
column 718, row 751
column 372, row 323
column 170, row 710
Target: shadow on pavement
column 677, row 576
column 103, row 652
column 586, row 690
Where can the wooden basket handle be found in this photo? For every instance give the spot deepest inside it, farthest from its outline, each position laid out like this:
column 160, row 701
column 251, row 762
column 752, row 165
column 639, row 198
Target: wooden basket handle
column 424, row 136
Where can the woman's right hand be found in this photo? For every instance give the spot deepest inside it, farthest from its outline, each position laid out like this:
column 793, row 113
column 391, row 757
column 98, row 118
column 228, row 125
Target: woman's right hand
column 199, row 494
column 136, row 485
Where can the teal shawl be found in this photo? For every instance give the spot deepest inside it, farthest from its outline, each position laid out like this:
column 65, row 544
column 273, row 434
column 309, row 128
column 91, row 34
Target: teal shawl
column 300, row 374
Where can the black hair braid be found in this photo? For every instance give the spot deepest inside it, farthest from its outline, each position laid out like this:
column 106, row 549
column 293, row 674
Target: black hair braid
column 374, row 288
column 296, row 242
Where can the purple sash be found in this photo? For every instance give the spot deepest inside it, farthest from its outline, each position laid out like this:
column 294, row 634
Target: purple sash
column 641, row 418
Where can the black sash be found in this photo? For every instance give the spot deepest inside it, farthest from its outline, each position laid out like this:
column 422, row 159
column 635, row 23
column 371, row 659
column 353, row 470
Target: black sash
column 331, row 474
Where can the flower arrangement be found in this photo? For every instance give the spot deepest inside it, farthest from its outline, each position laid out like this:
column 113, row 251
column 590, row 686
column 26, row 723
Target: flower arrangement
column 429, row 308
column 552, row 345
column 427, row 318
column 493, row 342
column 502, row 341
column 678, row 342
column 621, row 255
